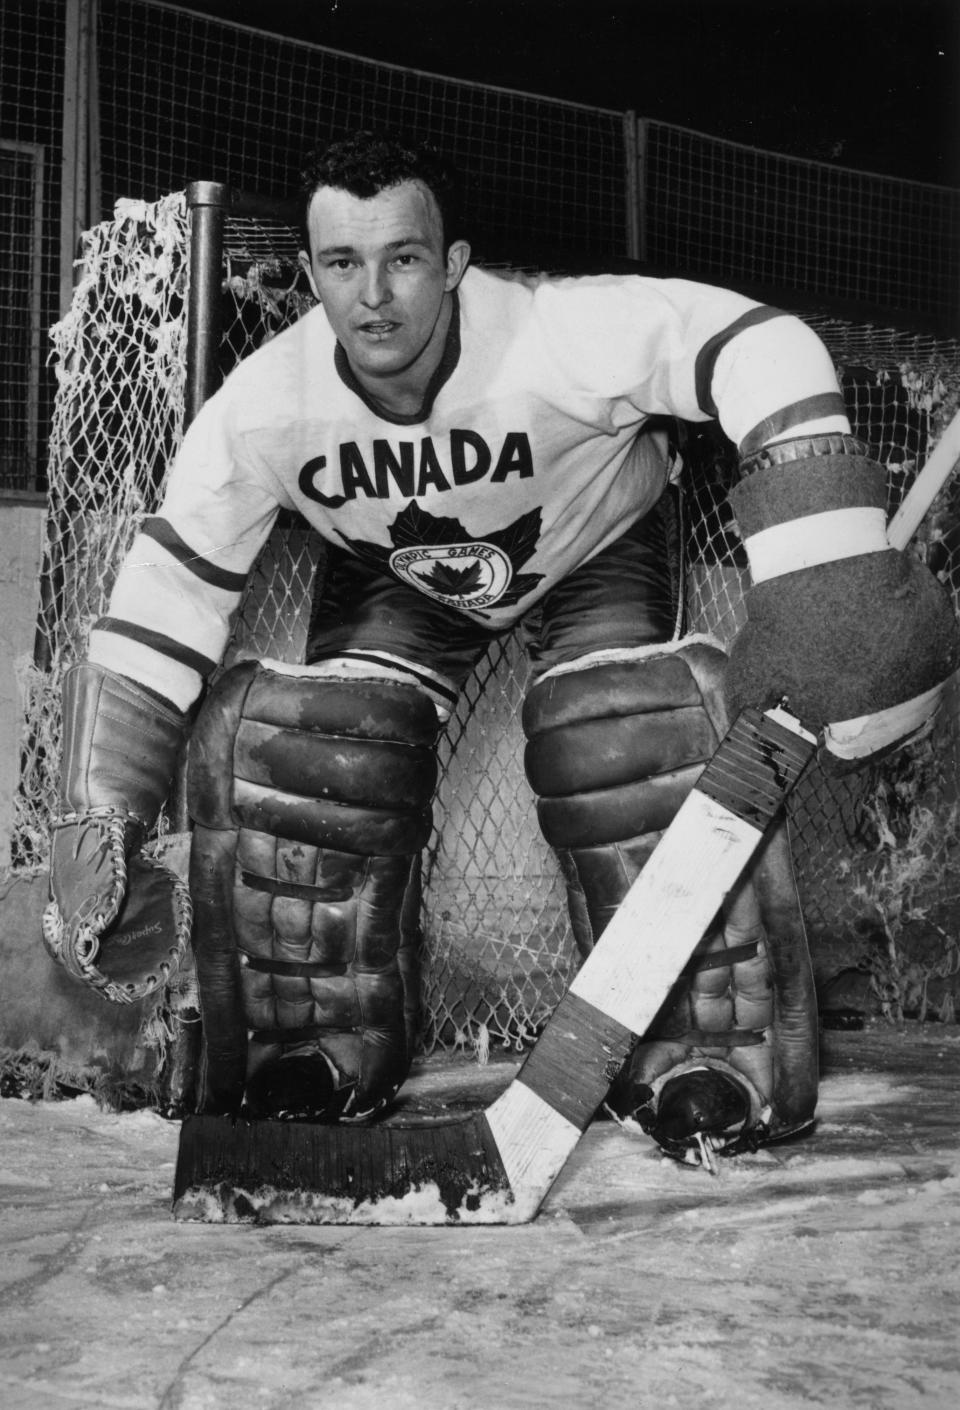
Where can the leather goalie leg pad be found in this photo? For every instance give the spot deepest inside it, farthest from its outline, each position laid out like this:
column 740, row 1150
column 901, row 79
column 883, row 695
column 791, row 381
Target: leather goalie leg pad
column 312, row 801
column 613, row 749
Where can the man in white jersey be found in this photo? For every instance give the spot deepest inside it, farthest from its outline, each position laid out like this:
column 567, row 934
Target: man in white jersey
column 474, row 450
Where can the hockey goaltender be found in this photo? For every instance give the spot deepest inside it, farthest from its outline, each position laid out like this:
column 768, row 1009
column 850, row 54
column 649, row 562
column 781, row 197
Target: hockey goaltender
column 475, row 449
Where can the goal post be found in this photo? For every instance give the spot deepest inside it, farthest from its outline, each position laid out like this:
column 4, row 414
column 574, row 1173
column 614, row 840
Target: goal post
column 172, row 294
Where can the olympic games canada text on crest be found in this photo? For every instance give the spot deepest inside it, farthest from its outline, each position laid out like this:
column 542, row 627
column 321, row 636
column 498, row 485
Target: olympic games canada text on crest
column 474, row 574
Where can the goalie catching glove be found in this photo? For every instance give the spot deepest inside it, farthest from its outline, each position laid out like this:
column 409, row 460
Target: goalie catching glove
column 857, row 637
column 117, row 920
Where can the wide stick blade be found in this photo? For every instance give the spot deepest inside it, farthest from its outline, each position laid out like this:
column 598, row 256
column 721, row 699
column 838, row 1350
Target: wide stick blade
column 230, row 1170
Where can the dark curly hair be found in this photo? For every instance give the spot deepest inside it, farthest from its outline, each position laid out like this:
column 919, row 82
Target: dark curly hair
column 369, row 162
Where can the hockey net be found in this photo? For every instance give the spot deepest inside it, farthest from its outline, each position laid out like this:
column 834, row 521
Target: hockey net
column 877, row 854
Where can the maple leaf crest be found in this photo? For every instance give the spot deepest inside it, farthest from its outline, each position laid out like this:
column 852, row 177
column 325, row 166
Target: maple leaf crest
column 415, row 527
column 451, row 582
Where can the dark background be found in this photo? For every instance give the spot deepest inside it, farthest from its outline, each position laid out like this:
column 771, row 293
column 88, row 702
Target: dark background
column 870, row 84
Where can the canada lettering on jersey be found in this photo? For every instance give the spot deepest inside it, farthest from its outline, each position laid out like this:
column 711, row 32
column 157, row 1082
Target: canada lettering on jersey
column 413, row 468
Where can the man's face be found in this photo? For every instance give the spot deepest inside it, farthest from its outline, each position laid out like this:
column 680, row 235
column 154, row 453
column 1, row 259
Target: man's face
column 378, row 267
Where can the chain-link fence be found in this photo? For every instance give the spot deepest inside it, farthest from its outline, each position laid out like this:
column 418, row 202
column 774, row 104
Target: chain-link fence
column 144, row 97
column 31, row 85
column 731, row 212
column 876, row 853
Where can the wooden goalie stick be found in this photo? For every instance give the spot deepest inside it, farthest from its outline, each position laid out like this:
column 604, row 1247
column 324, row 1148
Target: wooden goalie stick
column 497, row 1166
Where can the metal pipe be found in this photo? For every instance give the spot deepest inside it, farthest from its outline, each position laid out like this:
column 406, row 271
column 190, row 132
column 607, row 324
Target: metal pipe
column 631, row 191
column 207, row 203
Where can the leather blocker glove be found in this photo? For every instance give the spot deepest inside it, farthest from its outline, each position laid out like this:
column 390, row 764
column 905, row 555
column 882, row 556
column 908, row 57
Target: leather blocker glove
column 856, row 637
column 117, row 920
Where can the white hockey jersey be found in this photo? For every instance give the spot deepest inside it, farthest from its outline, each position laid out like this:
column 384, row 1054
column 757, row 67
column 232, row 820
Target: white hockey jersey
column 523, row 463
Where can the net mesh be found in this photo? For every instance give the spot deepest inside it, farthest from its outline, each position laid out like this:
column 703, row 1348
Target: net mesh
column 876, row 854
column 120, row 358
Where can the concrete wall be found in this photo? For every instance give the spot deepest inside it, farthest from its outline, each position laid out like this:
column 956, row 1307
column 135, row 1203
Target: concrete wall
column 21, row 547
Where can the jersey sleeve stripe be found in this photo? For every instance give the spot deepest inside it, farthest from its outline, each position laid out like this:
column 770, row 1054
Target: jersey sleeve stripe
column 157, row 641
column 163, row 533
column 796, row 414
column 713, row 347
